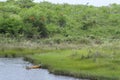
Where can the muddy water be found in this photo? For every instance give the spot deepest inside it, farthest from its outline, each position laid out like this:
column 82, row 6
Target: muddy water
column 14, row 69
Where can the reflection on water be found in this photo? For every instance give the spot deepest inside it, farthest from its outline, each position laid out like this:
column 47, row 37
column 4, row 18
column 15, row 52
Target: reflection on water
column 14, row 69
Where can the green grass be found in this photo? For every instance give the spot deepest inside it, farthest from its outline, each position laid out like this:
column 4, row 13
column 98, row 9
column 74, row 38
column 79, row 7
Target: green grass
column 99, row 63
column 19, row 52
column 93, row 60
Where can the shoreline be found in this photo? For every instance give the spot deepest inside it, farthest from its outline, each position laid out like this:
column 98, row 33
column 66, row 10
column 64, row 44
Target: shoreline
column 67, row 73
column 98, row 62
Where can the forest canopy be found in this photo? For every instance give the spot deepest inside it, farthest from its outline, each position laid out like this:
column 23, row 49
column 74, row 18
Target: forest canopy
column 24, row 18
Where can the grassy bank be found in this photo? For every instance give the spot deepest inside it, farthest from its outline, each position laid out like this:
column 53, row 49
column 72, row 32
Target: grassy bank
column 83, row 60
column 18, row 52
column 96, row 63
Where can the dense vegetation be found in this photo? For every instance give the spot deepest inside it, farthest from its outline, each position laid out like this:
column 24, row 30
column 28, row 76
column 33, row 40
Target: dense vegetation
column 24, row 18
column 76, row 40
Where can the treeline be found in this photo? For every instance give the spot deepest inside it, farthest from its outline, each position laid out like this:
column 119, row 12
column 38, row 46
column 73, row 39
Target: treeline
column 24, row 18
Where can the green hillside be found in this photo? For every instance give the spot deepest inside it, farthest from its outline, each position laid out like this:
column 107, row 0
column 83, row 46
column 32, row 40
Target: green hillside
column 44, row 20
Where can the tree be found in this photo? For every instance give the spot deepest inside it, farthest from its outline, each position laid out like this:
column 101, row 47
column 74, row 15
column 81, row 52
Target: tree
column 37, row 19
column 11, row 25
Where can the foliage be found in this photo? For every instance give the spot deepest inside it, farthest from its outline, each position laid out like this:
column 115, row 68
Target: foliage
column 41, row 20
column 63, row 26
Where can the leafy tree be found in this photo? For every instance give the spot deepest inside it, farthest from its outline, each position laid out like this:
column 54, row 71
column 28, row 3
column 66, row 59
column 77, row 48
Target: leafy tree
column 37, row 20
column 11, row 25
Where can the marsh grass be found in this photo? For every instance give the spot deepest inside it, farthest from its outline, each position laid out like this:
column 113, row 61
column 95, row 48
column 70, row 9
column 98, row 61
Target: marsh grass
column 96, row 64
column 18, row 52
column 84, row 59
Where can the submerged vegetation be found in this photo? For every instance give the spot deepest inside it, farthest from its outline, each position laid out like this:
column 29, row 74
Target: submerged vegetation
column 76, row 40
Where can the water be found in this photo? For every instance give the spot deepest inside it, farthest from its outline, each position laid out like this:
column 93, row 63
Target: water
column 14, row 69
